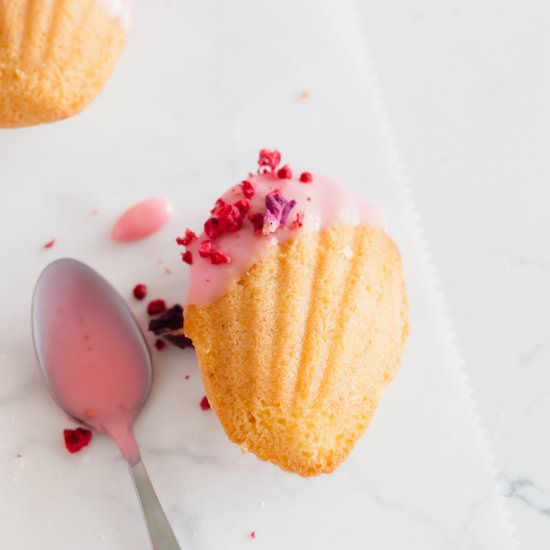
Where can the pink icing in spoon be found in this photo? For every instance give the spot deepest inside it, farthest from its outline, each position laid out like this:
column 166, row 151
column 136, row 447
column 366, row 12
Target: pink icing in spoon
column 141, row 220
column 91, row 351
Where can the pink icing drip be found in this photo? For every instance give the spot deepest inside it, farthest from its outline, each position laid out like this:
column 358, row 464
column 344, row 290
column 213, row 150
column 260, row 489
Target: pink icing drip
column 141, row 220
column 324, row 202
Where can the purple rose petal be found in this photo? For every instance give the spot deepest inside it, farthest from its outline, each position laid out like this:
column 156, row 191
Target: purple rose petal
column 277, row 211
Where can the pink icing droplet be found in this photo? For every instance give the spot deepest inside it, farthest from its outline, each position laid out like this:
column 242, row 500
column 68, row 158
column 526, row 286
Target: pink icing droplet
column 141, row 220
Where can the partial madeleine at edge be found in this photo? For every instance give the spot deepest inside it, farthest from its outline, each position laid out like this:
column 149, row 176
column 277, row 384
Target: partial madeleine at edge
column 55, row 57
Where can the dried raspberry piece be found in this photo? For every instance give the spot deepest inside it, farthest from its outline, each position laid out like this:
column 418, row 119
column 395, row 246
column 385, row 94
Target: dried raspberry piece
column 219, row 203
column 218, row 257
column 306, row 177
column 284, row 173
column 160, row 345
column 179, row 340
column 268, row 160
column 205, row 405
column 140, row 291
column 171, row 319
column 76, row 440
column 277, row 211
column 253, row 535
column 243, row 206
column 156, row 306
column 205, row 249
column 187, row 257
column 248, row 189
column 187, row 239
column 212, row 228
column 257, row 221
column 298, row 221
column 230, row 218
column 49, row 244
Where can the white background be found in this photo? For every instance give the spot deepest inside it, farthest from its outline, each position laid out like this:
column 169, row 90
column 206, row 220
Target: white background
column 467, row 85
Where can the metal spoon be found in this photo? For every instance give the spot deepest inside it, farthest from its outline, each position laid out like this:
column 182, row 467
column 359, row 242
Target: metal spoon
column 82, row 329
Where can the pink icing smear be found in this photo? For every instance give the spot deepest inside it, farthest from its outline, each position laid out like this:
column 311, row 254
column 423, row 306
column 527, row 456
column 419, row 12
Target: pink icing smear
column 141, row 220
column 319, row 204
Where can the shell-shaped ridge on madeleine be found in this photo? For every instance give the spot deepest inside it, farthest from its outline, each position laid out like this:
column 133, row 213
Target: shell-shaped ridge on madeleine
column 295, row 356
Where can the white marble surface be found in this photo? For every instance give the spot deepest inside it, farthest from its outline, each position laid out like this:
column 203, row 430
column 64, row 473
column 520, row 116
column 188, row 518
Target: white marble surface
column 187, row 125
column 467, row 84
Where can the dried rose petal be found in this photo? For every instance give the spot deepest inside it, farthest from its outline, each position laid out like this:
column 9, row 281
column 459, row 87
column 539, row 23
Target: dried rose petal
column 248, row 189
column 205, row 405
column 268, row 160
column 187, row 257
column 179, row 340
column 75, row 440
column 306, row 177
column 49, row 244
column 212, row 228
column 140, row 291
column 156, row 306
column 171, row 319
column 277, row 211
column 284, row 173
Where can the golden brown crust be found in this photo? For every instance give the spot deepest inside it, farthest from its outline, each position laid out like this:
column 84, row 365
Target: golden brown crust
column 54, row 58
column 294, row 358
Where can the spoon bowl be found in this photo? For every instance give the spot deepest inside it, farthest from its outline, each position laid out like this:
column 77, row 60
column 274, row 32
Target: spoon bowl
column 97, row 365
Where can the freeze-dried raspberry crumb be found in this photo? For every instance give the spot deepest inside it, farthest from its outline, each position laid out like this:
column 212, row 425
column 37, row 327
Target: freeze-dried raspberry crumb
column 298, row 221
column 187, row 257
column 170, row 320
column 49, row 244
column 179, row 340
column 284, row 173
column 257, row 221
column 277, row 211
column 205, row 405
column 156, row 306
column 306, row 177
column 160, row 344
column 219, row 203
column 253, row 535
column 248, row 189
column 243, row 206
column 187, row 239
column 268, row 160
column 75, row 440
column 230, row 218
column 140, row 291
column 212, row 228
column 205, row 249
column 218, row 257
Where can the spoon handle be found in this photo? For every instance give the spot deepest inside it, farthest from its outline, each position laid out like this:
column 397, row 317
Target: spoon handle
column 160, row 531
